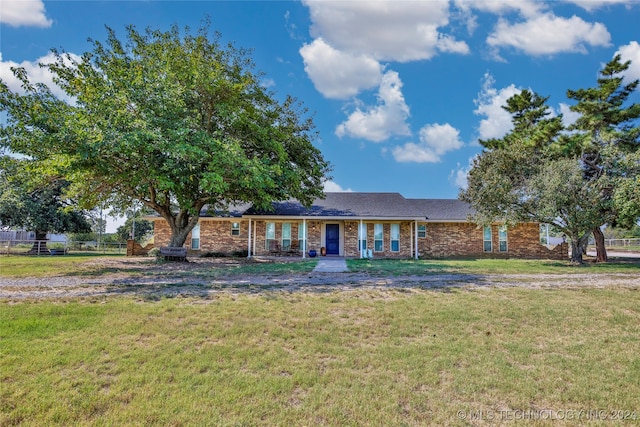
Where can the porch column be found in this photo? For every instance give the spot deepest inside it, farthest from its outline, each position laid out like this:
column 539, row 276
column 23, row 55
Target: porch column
column 249, row 242
column 411, row 238
column 255, row 228
column 360, row 239
column 416, row 240
column 304, row 238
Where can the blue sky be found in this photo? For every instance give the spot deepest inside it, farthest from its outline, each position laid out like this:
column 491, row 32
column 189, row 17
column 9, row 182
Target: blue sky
column 401, row 90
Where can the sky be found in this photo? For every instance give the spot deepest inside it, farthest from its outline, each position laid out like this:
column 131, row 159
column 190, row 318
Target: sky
column 400, row 91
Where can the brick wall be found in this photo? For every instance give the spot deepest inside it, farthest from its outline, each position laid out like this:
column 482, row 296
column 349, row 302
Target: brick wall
column 442, row 240
column 464, row 239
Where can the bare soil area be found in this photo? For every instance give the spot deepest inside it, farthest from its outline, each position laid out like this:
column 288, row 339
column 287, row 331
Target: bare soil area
column 206, row 277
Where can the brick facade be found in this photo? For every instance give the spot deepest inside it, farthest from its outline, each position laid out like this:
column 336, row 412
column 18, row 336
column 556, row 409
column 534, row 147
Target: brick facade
column 446, row 239
column 467, row 239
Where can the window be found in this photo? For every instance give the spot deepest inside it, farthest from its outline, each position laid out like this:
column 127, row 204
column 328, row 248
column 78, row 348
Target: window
column 286, row 236
column 301, row 242
column 487, row 239
column 377, row 238
column 271, row 235
column 422, row 231
column 362, row 242
column 195, row 238
column 502, row 239
column 235, row 228
column 395, row 237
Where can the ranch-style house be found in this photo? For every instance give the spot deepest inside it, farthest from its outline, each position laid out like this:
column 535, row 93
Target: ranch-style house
column 352, row 224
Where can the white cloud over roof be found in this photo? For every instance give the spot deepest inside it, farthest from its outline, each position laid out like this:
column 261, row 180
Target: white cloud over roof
column 497, row 121
column 435, row 140
column 386, row 30
column 336, row 74
column 24, row 13
column 333, row 187
column 386, row 119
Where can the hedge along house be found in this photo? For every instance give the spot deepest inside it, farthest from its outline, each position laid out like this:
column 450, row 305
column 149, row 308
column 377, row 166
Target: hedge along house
column 353, row 224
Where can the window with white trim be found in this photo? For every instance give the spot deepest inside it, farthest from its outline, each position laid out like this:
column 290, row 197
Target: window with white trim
column 502, row 239
column 286, row 236
column 395, row 237
column 195, row 238
column 487, row 242
column 378, row 245
column 422, row 231
column 235, row 228
column 270, row 235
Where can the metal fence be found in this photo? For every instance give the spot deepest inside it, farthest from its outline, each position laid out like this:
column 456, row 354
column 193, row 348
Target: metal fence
column 622, row 243
column 47, row 247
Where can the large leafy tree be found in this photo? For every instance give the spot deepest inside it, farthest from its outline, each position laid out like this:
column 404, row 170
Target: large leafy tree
column 577, row 179
column 37, row 205
column 524, row 176
column 606, row 137
column 173, row 121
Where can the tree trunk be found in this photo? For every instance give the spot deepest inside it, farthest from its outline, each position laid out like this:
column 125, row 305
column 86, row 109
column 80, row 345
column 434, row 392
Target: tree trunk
column 180, row 229
column 577, row 248
column 601, row 250
column 39, row 246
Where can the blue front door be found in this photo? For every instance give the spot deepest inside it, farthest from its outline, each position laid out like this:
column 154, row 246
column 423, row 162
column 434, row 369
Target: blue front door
column 333, row 239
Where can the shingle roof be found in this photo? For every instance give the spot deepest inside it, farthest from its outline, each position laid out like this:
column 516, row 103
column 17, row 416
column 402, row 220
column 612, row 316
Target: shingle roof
column 444, row 209
column 347, row 204
column 373, row 205
column 232, row 211
column 357, row 205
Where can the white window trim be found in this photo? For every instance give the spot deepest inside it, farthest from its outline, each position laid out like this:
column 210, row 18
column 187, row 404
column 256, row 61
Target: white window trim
column 391, row 239
column 424, row 226
column 485, row 240
column 235, row 229
column 374, row 237
column 505, row 240
column 195, row 237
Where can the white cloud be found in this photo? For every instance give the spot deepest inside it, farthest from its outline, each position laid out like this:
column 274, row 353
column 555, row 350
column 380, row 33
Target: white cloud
column 387, row 30
column 459, row 176
column 591, row 5
column 435, row 141
column 382, row 121
column 333, row 187
column 267, row 83
column 568, row 117
column 27, row 13
column 631, row 52
column 548, row 34
column 489, row 104
column 527, row 8
column 36, row 74
column 337, row 74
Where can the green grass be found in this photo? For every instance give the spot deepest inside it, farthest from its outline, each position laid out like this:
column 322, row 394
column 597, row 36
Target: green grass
column 89, row 265
column 33, row 266
column 351, row 358
column 42, row 266
column 396, row 267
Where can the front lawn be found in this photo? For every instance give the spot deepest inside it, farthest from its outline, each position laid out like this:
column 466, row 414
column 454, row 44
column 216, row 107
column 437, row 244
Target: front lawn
column 399, row 267
column 395, row 357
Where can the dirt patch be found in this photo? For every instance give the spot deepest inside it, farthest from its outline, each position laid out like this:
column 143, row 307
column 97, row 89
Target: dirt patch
column 206, row 277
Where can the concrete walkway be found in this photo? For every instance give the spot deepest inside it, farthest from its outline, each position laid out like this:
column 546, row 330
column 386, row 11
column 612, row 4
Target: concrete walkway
column 331, row 265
